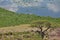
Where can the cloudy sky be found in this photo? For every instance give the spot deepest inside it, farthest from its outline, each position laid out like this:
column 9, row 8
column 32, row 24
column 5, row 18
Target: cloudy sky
column 38, row 7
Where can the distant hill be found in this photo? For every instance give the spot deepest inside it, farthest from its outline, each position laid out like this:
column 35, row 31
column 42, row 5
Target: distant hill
column 8, row 18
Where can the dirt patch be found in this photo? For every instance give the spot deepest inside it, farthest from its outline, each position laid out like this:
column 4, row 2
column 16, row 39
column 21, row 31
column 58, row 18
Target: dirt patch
column 54, row 34
column 19, row 28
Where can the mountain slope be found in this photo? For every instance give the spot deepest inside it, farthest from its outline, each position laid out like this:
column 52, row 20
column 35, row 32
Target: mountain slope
column 8, row 18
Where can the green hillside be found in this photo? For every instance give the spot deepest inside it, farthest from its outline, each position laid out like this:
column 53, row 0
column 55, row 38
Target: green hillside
column 8, row 18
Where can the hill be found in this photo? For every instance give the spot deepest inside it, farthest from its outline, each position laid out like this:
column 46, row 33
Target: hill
column 8, row 18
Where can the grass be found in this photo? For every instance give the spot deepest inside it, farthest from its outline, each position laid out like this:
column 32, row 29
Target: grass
column 23, row 36
column 8, row 18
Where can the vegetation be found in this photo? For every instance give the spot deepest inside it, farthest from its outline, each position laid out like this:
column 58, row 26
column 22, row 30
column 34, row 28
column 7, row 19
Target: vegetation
column 43, row 27
column 19, row 36
column 8, row 18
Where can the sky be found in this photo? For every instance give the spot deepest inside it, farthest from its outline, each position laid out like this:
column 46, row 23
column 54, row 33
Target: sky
column 38, row 7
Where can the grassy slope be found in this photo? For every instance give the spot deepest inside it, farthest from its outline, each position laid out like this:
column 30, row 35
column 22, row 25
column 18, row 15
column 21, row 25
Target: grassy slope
column 8, row 18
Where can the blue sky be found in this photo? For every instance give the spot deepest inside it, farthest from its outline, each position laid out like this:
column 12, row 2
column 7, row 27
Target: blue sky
column 38, row 7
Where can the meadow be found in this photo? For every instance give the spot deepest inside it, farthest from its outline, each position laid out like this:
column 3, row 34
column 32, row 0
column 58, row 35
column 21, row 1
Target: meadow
column 16, row 26
column 8, row 18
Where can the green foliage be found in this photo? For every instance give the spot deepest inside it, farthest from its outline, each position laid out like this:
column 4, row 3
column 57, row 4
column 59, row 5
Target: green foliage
column 41, row 23
column 8, row 18
column 45, row 23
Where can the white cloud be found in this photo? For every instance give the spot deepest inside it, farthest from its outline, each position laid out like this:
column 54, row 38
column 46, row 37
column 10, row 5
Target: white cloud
column 27, row 3
column 12, row 7
column 1, row 0
column 53, row 7
column 23, row 3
